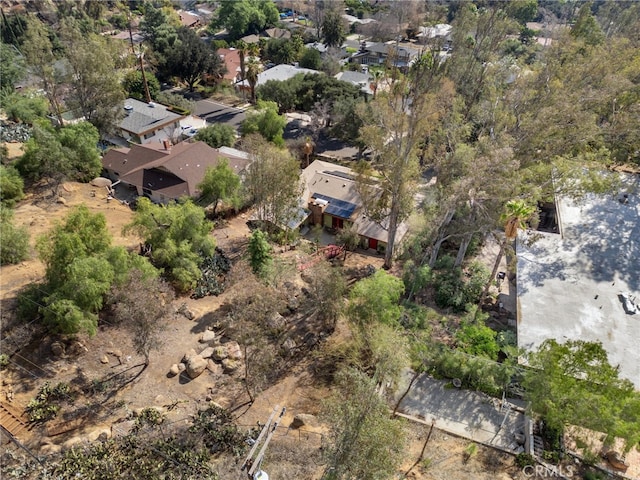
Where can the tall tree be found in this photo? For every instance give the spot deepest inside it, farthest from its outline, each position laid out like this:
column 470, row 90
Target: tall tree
column 81, row 266
column 364, row 441
column 394, row 126
column 38, row 51
column 220, row 183
column 190, row 58
column 253, row 69
column 333, row 31
column 13, row 67
column 273, row 181
column 259, row 249
column 98, row 95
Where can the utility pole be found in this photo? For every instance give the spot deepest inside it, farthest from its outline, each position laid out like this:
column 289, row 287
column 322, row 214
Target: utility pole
column 144, row 76
column 253, row 465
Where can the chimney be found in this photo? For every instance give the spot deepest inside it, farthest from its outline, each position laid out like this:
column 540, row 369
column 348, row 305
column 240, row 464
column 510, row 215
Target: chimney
column 167, row 145
column 317, row 208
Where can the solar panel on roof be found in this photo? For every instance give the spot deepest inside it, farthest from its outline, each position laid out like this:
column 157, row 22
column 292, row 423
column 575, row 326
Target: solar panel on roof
column 336, row 207
column 338, row 173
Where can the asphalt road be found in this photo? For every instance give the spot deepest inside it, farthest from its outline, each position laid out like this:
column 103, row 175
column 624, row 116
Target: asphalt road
column 214, row 112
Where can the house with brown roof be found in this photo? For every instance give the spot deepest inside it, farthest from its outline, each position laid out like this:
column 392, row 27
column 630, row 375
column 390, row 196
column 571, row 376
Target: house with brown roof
column 165, row 172
column 330, row 198
column 231, row 59
column 188, row 19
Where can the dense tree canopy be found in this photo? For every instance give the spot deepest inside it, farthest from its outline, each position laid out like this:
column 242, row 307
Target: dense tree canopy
column 81, row 267
column 189, row 58
column 133, row 85
column 11, row 186
column 13, row 67
column 217, row 135
column 241, row 17
column 333, row 31
column 97, row 93
column 574, row 383
column 264, row 119
column 364, row 441
column 179, row 236
column 70, row 152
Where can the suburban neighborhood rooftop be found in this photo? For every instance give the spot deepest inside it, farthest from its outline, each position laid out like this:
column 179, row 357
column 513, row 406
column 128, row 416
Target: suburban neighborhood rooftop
column 569, row 284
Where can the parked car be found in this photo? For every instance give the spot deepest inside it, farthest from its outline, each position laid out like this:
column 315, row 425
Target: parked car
column 628, row 302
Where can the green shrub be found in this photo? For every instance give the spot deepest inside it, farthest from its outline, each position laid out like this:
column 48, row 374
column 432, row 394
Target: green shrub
column 45, row 405
column 4, row 361
column 11, row 186
column 455, row 290
column 525, row 460
column 14, row 244
column 478, row 339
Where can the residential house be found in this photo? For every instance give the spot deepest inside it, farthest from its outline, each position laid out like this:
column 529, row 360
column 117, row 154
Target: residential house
column 231, row 59
column 438, row 34
column 330, row 199
column 571, row 276
column 189, row 19
column 165, row 172
column 359, row 79
column 275, row 33
column 374, row 54
column 148, row 122
column 279, row 72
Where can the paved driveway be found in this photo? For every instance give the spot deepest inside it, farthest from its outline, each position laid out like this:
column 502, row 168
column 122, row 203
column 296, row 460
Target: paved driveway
column 214, row 112
column 465, row 413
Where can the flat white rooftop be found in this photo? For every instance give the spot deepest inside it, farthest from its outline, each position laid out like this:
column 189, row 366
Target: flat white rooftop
column 568, row 284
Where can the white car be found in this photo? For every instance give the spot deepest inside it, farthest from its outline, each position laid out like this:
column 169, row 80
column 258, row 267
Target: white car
column 628, row 302
column 190, row 133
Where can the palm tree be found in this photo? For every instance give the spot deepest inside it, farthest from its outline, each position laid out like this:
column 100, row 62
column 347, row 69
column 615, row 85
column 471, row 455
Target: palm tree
column 376, row 76
column 253, row 69
column 243, row 50
column 516, row 214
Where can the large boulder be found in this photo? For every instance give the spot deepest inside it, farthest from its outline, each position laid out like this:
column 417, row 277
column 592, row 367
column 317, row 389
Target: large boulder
column 230, row 366
column 233, row 350
column 214, row 368
column 58, row 349
column 207, row 352
column 187, row 356
column 208, row 336
column 195, row 366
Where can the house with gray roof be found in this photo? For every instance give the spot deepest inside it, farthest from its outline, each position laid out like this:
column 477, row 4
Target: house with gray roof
column 579, row 278
column 359, row 79
column 373, row 54
column 279, row 72
column 148, row 122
